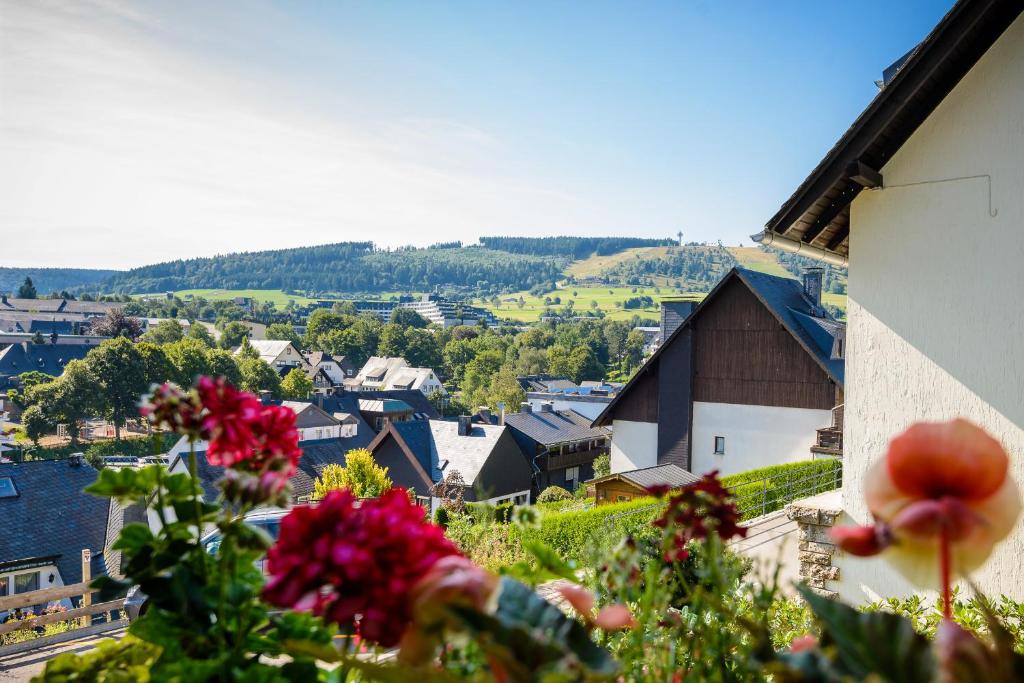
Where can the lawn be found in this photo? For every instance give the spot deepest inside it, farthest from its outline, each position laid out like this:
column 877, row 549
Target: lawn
column 279, row 298
column 595, row 265
column 606, row 298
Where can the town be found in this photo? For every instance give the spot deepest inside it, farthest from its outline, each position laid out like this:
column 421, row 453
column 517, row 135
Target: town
column 567, row 458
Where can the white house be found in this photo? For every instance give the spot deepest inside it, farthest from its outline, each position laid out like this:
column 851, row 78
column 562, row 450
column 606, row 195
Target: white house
column 374, row 373
column 924, row 197
column 278, row 354
column 422, row 379
column 746, row 380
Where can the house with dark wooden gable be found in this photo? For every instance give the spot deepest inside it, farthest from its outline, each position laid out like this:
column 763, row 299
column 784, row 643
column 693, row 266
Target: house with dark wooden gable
column 422, row 453
column 745, row 381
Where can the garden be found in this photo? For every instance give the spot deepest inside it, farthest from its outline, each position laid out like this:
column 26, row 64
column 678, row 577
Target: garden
column 370, row 590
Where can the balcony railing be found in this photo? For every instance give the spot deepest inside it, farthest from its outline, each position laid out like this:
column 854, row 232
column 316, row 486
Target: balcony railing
column 562, row 460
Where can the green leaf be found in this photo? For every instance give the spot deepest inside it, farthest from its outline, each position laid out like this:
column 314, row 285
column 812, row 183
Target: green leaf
column 134, row 537
column 127, row 485
column 528, row 634
column 863, row 644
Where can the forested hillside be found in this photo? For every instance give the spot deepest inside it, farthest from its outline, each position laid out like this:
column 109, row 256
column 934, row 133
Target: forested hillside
column 345, row 267
column 570, row 247
column 835, row 277
column 692, row 268
column 47, row 280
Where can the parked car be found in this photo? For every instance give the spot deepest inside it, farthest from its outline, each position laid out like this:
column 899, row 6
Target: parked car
column 269, row 520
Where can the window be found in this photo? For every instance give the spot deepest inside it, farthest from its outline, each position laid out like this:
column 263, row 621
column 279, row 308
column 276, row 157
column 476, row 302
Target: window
column 572, row 475
column 7, row 488
column 719, row 445
column 5, row 583
column 26, row 583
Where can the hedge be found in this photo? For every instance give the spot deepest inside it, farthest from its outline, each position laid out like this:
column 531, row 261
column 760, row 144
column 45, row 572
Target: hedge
column 768, row 489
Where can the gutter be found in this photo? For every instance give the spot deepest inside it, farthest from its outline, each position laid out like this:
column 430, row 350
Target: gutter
column 769, row 238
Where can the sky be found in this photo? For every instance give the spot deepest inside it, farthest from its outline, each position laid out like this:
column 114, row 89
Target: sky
column 139, row 132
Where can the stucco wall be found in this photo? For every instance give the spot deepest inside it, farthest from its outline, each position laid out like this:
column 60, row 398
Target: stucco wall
column 634, row 445
column 755, row 436
column 936, row 314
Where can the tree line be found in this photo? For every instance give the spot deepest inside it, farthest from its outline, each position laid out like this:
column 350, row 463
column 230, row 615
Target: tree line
column 691, row 268
column 570, row 247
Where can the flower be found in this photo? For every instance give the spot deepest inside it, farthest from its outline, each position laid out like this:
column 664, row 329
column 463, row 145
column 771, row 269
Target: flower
column 169, row 407
column 610, row 618
column 353, row 561
column 276, row 441
column 228, row 420
column 942, row 492
column 695, row 512
column 803, row 643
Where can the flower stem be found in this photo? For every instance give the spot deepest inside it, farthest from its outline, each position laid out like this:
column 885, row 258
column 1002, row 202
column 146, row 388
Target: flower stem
column 945, row 566
column 192, row 470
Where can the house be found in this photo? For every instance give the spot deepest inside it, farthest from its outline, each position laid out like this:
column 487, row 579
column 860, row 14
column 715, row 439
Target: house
column 745, row 381
column 543, row 383
column 386, row 374
column 47, row 521
column 559, row 445
column 625, row 486
column 921, row 197
column 375, row 371
column 421, row 379
column 379, row 412
column 337, row 368
column 322, row 382
column 279, row 354
column 325, row 436
column 419, row 454
column 49, row 359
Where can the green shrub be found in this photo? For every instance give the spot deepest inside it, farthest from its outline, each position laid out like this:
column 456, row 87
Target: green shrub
column 553, row 493
column 767, row 489
column 441, row 517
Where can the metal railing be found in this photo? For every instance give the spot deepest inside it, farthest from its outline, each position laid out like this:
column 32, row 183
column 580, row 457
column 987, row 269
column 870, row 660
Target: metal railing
column 760, row 497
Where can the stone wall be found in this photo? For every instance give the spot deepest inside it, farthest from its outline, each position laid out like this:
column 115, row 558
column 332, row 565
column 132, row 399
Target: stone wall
column 814, row 517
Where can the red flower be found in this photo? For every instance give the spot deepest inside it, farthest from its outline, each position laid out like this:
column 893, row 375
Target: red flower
column 694, row 513
column 229, row 419
column 276, row 441
column 352, row 561
column 169, row 407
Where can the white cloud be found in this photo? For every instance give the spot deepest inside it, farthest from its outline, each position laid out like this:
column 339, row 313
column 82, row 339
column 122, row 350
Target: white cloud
column 124, row 142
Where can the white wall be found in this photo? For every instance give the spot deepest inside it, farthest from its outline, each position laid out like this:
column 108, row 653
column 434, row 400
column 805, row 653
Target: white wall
column 44, row 572
column 936, row 314
column 634, row 445
column 755, row 436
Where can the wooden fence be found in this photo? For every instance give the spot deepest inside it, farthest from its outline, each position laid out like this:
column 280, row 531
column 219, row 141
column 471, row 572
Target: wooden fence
column 83, row 614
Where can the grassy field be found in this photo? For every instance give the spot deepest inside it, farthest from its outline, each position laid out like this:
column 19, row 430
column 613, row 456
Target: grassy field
column 595, row 265
column 279, row 298
column 755, row 259
column 606, row 298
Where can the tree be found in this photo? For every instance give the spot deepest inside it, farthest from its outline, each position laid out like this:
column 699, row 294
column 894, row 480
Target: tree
column 457, row 354
column 321, row 322
column 198, row 331
column 451, row 490
column 406, row 317
column 188, row 356
column 553, row 494
column 258, row 376
column 296, row 385
column 633, row 350
column 245, row 349
column 602, row 465
column 504, row 388
column 284, row 332
column 220, row 363
column 165, row 332
column 361, row 475
column 158, row 367
column 531, row 362
column 344, row 308
column 479, row 372
column 117, row 323
column 233, row 333
column 75, row 397
column 38, row 339
column 36, row 423
column 120, row 374
column 392, row 341
column 27, row 289
column 421, row 348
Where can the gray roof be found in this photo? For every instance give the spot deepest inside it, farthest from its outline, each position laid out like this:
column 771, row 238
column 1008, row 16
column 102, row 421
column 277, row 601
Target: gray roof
column 308, row 415
column 51, row 517
column 439, row 448
column 420, row 404
column 544, row 382
column 659, row 475
column 383, row 405
column 46, row 358
column 557, row 426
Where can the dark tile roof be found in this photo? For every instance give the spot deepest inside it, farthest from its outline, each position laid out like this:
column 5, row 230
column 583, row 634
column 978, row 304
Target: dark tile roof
column 317, row 357
column 309, row 415
column 47, row 358
column 51, row 516
column 117, row 517
column 670, row 475
column 416, row 435
column 414, row 397
column 784, row 296
column 557, row 426
column 50, row 326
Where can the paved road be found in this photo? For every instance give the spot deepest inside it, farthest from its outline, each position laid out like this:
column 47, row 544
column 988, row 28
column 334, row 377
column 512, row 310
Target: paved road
column 18, row 668
column 772, row 540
